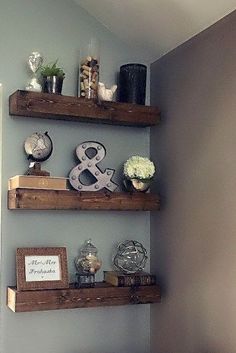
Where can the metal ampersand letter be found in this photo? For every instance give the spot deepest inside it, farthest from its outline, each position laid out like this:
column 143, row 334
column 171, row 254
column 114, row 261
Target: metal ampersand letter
column 103, row 179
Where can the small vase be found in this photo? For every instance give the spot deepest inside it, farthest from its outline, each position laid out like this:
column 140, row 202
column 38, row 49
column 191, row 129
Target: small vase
column 137, row 184
column 52, row 84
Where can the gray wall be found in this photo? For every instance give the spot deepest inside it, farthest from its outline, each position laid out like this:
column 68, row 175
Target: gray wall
column 58, row 29
column 193, row 238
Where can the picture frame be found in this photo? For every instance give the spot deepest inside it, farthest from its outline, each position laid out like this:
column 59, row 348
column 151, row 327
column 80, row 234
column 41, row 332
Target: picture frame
column 41, row 268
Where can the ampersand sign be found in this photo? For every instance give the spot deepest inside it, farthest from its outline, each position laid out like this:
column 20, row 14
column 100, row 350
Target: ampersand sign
column 103, row 179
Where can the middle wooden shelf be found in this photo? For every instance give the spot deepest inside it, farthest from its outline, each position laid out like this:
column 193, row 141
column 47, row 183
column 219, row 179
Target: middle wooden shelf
column 41, row 199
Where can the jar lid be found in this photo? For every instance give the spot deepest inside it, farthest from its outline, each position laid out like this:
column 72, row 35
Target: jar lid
column 88, row 248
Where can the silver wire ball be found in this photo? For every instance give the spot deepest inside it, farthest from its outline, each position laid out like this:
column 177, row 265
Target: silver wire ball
column 131, row 257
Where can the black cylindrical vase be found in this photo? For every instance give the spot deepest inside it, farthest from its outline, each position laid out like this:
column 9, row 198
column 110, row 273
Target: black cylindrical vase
column 133, row 83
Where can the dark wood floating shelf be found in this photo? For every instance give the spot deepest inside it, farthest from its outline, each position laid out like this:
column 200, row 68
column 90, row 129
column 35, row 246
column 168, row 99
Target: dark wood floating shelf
column 101, row 295
column 39, row 199
column 54, row 106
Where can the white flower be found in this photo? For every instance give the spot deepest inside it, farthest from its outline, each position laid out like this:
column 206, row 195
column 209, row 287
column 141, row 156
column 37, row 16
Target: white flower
column 139, row 167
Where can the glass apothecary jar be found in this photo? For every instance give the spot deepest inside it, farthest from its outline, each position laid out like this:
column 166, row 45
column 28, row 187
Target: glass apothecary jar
column 87, row 264
column 89, row 70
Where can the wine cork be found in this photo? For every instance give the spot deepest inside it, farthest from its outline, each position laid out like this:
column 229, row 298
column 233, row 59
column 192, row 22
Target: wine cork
column 89, row 77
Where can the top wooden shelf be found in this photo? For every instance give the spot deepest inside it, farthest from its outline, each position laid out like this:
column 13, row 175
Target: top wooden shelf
column 53, row 106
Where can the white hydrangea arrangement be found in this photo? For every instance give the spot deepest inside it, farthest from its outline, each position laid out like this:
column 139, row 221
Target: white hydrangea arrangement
column 137, row 167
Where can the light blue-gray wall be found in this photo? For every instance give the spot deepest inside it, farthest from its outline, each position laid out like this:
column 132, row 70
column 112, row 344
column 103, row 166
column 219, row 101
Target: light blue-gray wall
column 58, row 28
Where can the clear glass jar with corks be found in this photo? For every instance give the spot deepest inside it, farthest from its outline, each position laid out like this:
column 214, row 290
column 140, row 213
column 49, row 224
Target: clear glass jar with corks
column 89, row 70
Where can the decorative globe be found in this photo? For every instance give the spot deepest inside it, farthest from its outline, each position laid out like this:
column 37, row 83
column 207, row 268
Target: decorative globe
column 38, row 146
column 131, row 257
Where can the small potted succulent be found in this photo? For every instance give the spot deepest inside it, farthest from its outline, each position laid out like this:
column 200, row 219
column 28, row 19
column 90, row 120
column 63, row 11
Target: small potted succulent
column 138, row 173
column 52, row 78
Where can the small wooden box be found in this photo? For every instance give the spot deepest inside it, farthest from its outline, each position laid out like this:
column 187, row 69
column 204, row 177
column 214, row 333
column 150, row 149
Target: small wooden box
column 37, row 182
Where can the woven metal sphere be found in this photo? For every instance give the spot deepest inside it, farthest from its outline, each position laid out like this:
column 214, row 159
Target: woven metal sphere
column 131, row 257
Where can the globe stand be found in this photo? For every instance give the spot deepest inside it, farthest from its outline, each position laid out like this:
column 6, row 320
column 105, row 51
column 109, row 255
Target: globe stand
column 35, row 169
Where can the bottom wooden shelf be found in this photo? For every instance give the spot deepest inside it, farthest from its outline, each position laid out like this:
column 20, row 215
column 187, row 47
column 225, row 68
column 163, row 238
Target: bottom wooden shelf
column 101, row 295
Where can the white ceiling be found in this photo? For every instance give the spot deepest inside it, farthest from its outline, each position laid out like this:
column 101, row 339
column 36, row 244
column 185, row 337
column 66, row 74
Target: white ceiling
column 157, row 26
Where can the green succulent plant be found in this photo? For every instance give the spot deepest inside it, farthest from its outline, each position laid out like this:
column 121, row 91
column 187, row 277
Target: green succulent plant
column 52, row 70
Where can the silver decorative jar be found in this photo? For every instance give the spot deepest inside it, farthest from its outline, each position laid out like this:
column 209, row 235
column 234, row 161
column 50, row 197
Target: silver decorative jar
column 134, row 184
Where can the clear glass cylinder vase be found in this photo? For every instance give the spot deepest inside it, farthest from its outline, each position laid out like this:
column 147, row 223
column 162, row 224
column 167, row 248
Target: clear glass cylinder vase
column 89, row 70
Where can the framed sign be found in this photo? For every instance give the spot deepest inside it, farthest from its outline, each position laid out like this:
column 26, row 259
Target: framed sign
column 41, row 268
